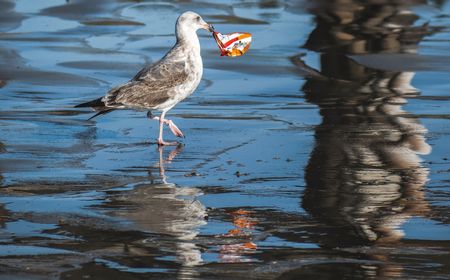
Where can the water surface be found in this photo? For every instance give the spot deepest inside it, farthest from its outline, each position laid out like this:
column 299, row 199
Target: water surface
column 322, row 152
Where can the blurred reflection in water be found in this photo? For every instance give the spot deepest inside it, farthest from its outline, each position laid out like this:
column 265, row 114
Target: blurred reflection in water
column 364, row 177
column 4, row 214
column 2, row 150
column 167, row 210
column 241, row 236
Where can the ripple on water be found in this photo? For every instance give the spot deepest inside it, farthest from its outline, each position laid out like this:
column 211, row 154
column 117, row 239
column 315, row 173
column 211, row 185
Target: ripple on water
column 310, row 156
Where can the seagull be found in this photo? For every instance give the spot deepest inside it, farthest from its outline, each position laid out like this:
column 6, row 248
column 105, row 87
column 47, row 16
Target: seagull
column 164, row 84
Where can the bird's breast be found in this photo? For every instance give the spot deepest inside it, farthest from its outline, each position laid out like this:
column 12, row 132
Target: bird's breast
column 194, row 70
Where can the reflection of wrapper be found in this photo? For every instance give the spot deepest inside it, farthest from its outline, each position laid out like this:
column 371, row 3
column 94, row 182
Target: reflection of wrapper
column 234, row 44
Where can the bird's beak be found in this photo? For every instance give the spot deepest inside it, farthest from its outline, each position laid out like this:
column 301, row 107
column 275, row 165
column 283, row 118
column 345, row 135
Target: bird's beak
column 208, row 27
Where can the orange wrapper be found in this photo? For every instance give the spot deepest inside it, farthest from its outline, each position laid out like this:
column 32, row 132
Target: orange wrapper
column 234, row 44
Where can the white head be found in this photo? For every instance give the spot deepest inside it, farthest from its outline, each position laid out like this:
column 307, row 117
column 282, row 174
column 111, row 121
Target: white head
column 187, row 25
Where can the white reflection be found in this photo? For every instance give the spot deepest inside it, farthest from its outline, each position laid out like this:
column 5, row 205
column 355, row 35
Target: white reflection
column 172, row 212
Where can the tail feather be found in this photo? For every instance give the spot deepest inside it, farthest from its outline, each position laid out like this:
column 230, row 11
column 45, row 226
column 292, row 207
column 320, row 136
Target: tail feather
column 94, row 103
column 102, row 112
column 98, row 105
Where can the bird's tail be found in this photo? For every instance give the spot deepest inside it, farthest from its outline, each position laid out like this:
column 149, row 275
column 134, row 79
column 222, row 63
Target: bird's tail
column 98, row 105
column 101, row 112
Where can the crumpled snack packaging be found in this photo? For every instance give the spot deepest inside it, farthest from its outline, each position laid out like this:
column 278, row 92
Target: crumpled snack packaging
column 234, row 44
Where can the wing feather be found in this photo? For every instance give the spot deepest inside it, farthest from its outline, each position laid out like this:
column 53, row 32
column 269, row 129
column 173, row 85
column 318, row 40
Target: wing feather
column 150, row 87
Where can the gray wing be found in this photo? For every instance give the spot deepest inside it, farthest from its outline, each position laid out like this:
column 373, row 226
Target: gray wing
column 150, row 87
column 172, row 63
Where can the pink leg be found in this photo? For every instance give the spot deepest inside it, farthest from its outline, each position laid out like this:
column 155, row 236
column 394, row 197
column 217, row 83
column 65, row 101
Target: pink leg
column 175, row 130
column 162, row 121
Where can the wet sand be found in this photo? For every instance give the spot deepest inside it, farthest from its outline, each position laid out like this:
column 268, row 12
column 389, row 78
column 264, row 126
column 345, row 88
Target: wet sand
column 320, row 153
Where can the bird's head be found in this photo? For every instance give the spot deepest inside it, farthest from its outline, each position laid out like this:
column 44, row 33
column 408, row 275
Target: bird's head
column 190, row 22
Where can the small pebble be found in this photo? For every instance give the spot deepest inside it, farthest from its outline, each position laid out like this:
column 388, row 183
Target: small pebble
column 239, row 174
column 192, row 174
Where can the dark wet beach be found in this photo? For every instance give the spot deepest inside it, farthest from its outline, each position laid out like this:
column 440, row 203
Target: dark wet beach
column 321, row 153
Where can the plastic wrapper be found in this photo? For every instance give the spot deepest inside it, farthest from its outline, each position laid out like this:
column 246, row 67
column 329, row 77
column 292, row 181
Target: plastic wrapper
column 233, row 44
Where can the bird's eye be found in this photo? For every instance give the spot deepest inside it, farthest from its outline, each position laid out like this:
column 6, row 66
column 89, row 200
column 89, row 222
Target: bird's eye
column 197, row 18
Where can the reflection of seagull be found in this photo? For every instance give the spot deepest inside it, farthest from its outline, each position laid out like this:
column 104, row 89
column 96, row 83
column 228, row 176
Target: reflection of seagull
column 167, row 210
column 162, row 85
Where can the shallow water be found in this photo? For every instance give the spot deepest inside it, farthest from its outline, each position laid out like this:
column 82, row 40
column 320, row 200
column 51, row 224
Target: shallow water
column 322, row 152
